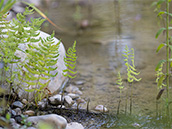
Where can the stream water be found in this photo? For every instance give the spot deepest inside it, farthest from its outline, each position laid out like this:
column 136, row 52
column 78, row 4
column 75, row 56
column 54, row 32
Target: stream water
column 111, row 26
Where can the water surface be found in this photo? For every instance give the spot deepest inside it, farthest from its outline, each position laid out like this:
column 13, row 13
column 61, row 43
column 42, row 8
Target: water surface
column 100, row 46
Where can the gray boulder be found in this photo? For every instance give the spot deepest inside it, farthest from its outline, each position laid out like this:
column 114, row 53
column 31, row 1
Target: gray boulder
column 55, row 121
column 55, row 82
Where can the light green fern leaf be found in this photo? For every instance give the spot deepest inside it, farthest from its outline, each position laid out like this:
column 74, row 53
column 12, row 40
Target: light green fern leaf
column 70, row 61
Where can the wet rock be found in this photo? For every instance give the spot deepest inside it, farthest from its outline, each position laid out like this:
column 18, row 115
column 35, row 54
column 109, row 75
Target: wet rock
column 60, row 106
column 80, row 100
column 73, row 89
column 17, row 8
column 136, row 125
column 73, row 96
column 81, row 103
column 74, row 125
column 68, row 101
column 79, row 82
column 17, row 104
column 35, row 2
column 18, row 119
column 55, row 100
column 13, row 113
column 14, row 124
column 43, row 104
column 101, row 108
column 57, row 121
column 84, row 24
column 24, row 101
column 29, row 113
column 18, row 111
column 31, row 128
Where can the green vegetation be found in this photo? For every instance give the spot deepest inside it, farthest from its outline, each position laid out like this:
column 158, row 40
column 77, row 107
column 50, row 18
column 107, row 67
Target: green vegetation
column 70, row 62
column 131, row 77
column 40, row 64
column 131, row 73
column 165, row 17
column 34, row 72
column 120, row 83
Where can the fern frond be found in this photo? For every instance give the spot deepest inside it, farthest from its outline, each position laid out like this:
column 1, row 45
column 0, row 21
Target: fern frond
column 70, row 61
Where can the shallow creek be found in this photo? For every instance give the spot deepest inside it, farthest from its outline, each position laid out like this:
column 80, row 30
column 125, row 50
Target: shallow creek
column 101, row 44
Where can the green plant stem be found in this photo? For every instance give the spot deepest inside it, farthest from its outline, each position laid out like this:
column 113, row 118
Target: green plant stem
column 167, row 53
column 119, row 103
column 131, row 98
column 126, row 101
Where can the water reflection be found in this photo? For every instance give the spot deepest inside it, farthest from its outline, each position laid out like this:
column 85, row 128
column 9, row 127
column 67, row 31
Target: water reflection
column 113, row 24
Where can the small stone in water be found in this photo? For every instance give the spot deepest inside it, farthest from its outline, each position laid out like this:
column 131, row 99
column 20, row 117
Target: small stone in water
column 136, row 125
column 73, row 96
column 79, row 82
column 101, row 108
column 79, row 100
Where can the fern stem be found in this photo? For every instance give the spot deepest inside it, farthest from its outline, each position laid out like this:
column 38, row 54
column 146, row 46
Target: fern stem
column 131, row 98
column 167, row 54
column 118, row 109
column 126, row 101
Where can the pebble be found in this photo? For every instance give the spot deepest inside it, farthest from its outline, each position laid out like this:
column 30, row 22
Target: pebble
column 73, row 96
column 17, row 104
column 13, row 113
column 14, row 124
column 56, row 121
column 73, row 89
column 24, row 101
column 79, row 100
column 18, row 118
column 79, row 82
column 31, row 128
column 55, row 100
column 74, row 125
column 43, row 104
column 17, row 111
column 101, row 108
column 29, row 113
column 68, row 102
column 136, row 125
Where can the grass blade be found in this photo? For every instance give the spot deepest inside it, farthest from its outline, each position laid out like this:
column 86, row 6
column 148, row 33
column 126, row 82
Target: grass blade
column 43, row 15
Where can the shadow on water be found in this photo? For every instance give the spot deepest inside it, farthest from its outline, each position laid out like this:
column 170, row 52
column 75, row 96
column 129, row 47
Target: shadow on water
column 102, row 28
